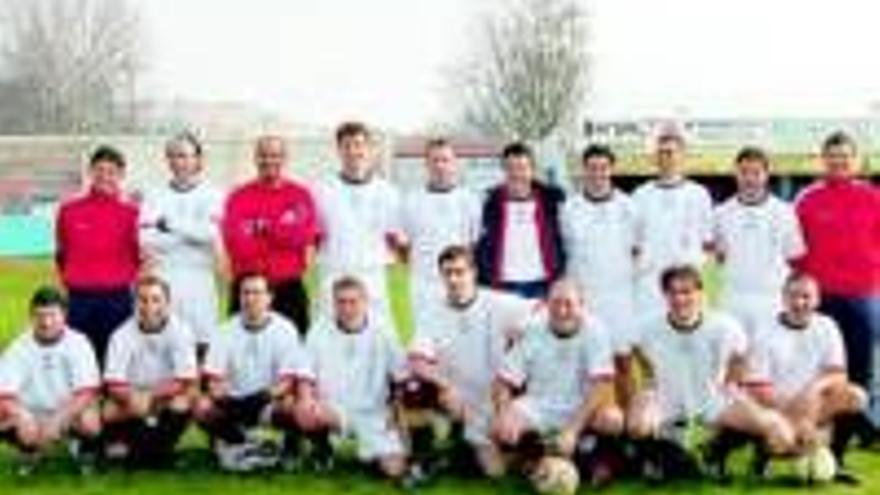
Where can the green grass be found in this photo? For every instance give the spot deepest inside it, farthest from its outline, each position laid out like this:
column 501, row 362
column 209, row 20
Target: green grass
column 19, row 277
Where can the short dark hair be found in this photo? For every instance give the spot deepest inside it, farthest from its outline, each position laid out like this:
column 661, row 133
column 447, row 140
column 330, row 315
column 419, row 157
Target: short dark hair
column 348, row 282
column 838, row 138
column 798, row 276
column 753, row 153
column 153, row 281
column 106, row 153
column 685, row 272
column 456, row 252
column 518, row 148
column 437, row 142
column 185, row 137
column 671, row 135
column 46, row 296
column 351, row 129
column 598, row 151
column 253, row 275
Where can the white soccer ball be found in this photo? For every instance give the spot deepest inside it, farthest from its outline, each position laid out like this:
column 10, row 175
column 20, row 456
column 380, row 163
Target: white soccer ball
column 555, row 476
column 818, row 465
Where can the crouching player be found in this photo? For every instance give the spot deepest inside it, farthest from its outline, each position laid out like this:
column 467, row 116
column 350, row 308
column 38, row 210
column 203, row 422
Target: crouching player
column 150, row 376
column 798, row 367
column 354, row 361
column 49, row 381
column 458, row 354
column 564, row 368
column 692, row 363
column 250, row 372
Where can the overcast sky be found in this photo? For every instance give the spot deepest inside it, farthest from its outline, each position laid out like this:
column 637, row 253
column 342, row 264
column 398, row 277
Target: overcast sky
column 318, row 61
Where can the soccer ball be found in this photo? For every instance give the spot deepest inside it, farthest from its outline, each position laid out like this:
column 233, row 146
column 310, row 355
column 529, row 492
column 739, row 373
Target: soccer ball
column 817, row 465
column 555, row 476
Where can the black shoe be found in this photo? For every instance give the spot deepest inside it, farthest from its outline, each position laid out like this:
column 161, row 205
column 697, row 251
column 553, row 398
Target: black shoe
column 845, row 477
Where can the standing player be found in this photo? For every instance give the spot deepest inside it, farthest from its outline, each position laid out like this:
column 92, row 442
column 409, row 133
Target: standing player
column 693, row 361
column 179, row 237
column 798, row 365
column 441, row 214
column 840, row 217
column 97, row 251
column 559, row 378
column 756, row 236
column 49, row 383
column 459, row 352
column 675, row 220
column 520, row 246
column 360, row 220
column 354, row 362
column 250, row 371
column 599, row 235
column 150, row 377
column 270, row 227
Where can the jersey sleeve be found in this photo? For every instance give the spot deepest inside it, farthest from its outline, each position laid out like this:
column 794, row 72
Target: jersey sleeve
column 216, row 363
column 394, row 356
column 13, row 370
column 119, row 356
column 514, row 364
column 184, row 354
column 793, row 245
column 238, row 234
column 705, row 218
column 760, row 361
column 151, row 239
column 834, row 355
column 598, row 354
column 84, row 367
column 294, row 359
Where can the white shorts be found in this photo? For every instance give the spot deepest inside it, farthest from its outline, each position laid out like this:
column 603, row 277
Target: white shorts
column 373, row 431
column 751, row 309
column 194, row 299
column 708, row 411
column 545, row 418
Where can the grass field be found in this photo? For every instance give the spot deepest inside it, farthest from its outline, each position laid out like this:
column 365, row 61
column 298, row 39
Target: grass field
column 197, row 475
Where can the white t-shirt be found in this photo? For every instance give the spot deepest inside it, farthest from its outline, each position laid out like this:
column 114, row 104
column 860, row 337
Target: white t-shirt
column 43, row 377
column 690, row 367
column 143, row 360
column 675, row 223
column 355, row 220
column 254, row 360
column 599, row 238
column 521, row 258
column 757, row 241
column 434, row 220
column 558, row 372
column 468, row 343
column 353, row 371
column 192, row 217
column 790, row 358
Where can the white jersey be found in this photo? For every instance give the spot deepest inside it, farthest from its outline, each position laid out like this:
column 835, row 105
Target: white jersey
column 434, row 220
column 674, row 225
column 468, row 343
column 599, row 237
column 186, row 253
column 690, row 367
column 355, row 221
column 353, row 370
column 42, row 377
column 522, row 257
column 144, row 360
column 756, row 241
column 558, row 372
column 790, row 358
column 254, row 360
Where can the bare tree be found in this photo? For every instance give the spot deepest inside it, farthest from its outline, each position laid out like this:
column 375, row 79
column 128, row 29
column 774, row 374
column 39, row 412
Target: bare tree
column 527, row 76
column 69, row 66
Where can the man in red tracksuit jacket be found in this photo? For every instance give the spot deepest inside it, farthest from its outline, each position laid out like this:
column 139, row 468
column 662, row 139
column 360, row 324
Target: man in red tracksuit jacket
column 97, row 252
column 269, row 227
column 840, row 218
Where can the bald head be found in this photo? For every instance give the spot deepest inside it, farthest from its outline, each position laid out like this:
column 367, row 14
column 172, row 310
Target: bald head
column 270, row 155
column 565, row 305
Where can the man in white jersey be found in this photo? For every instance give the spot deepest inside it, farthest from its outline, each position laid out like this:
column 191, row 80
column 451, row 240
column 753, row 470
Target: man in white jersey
column 440, row 214
column 798, row 366
column 179, row 237
column 49, row 383
column 674, row 220
column 359, row 212
column 250, row 373
column 353, row 364
column 558, row 380
column 756, row 235
column 599, row 235
column 693, row 361
column 150, row 378
column 459, row 352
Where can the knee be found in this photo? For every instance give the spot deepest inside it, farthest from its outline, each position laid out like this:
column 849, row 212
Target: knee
column 204, row 409
column 608, row 421
column 393, row 466
column 180, row 404
column 89, row 423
